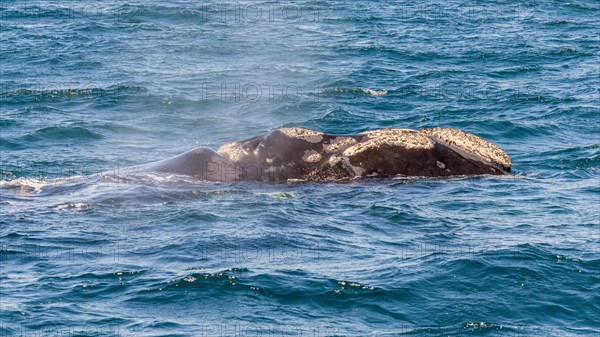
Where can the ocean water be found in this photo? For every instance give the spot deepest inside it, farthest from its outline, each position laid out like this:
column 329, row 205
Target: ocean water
column 90, row 90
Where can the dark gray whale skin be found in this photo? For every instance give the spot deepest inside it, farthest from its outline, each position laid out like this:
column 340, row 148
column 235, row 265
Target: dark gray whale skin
column 300, row 154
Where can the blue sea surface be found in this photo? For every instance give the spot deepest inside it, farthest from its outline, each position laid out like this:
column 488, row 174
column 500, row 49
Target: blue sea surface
column 90, row 91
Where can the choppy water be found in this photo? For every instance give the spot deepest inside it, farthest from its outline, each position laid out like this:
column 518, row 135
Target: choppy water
column 89, row 87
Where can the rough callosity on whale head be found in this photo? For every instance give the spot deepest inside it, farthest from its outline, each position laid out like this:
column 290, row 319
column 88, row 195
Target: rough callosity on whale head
column 339, row 144
column 471, row 143
column 233, row 151
column 304, row 134
column 406, row 138
column 311, row 156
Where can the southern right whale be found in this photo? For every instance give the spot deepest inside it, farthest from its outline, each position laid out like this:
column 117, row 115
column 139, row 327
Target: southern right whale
column 300, row 154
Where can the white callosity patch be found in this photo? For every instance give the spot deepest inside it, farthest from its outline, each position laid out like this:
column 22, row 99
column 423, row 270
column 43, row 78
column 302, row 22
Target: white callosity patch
column 311, row 156
column 233, row 151
column 440, row 164
column 406, row 138
column 470, row 143
column 358, row 171
column 304, row 134
column 334, row 159
column 339, row 144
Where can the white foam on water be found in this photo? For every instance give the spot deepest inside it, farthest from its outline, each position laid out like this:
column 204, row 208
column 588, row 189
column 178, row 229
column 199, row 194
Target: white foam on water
column 30, row 186
column 374, row 92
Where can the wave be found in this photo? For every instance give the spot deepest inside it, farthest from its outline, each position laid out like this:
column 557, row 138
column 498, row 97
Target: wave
column 572, row 158
column 6, row 144
column 62, row 133
column 36, row 12
column 48, row 93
